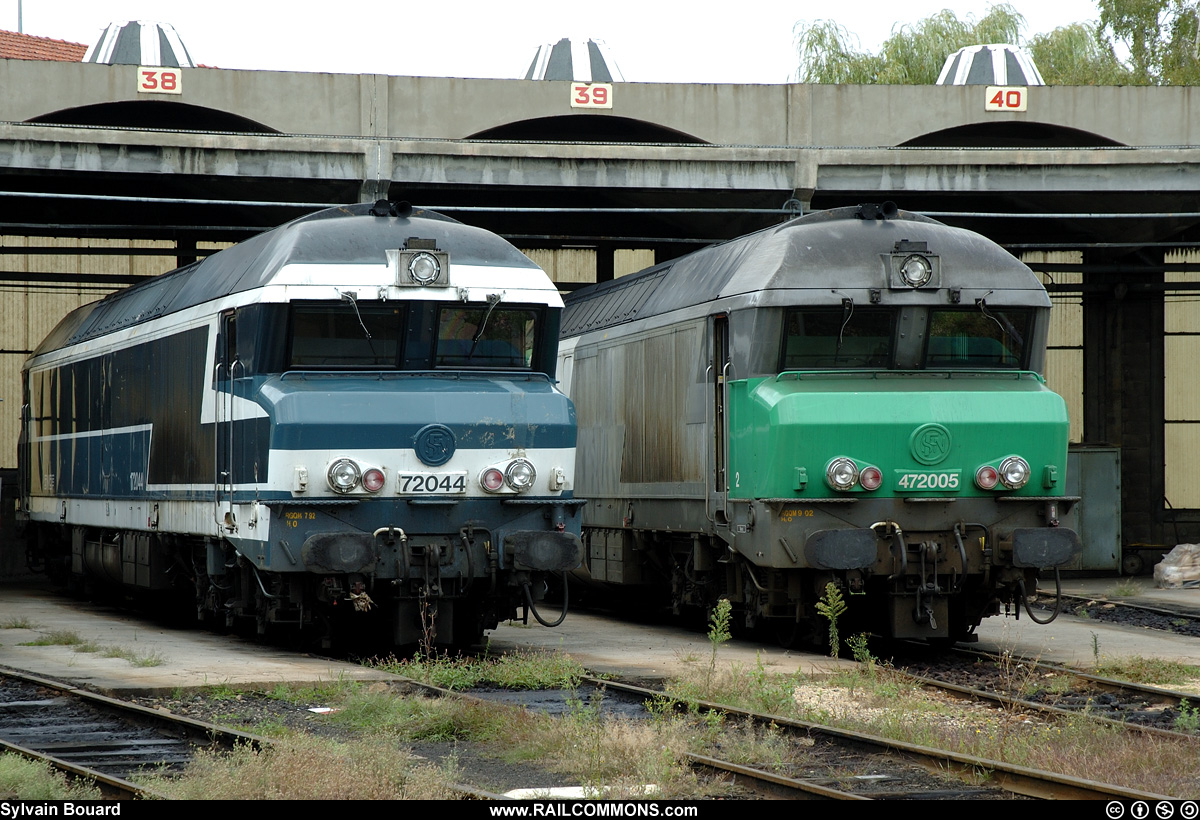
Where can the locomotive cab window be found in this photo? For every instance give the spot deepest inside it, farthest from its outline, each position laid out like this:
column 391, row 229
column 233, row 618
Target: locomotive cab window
column 486, row 336
column 345, row 335
column 986, row 337
column 848, row 337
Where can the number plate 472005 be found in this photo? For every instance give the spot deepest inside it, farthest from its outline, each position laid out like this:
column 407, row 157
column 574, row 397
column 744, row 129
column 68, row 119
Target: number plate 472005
column 908, row 481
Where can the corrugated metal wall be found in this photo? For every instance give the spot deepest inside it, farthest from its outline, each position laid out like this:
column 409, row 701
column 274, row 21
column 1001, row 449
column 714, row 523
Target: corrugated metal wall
column 574, row 265
column 1064, row 353
column 1181, row 387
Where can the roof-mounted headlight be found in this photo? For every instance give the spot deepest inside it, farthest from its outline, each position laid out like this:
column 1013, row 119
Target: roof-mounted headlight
column 419, row 264
column 424, row 268
column 916, row 271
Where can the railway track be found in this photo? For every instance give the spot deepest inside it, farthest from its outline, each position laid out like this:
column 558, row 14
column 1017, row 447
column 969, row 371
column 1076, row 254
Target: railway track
column 93, row 737
column 1178, row 621
column 1058, row 691
column 105, row 741
column 871, row 767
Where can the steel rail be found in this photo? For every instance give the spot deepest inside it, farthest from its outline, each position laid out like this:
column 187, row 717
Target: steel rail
column 1111, row 684
column 112, row 788
column 775, row 784
column 196, row 728
column 1189, row 613
column 1043, row 708
column 122, row 789
column 1020, row 780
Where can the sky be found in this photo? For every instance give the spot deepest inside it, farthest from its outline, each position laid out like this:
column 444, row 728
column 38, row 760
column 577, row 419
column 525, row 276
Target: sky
column 748, row 42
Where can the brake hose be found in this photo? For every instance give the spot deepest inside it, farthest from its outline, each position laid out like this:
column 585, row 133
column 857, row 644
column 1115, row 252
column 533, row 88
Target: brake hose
column 1057, row 600
column 537, row 616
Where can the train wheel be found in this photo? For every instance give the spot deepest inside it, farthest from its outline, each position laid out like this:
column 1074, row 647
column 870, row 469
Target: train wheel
column 1132, row 563
column 790, row 634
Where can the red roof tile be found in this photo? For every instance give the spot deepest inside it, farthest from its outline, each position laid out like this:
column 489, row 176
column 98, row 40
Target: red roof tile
column 14, row 46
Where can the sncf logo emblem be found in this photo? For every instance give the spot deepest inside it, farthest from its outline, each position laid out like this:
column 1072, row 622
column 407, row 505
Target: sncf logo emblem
column 930, row 443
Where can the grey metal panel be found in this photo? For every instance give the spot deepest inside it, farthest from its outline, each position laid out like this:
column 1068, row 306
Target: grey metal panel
column 805, row 253
column 1094, row 474
column 346, row 235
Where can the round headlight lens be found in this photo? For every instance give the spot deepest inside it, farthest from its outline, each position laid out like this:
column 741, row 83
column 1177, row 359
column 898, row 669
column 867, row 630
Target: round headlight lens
column 491, row 479
column 520, row 475
column 986, row 477
column 343, row 475
column 842, row 474
column 424, row 268
column 1014, row 472
column 870, row 478
column 373, row 480
column 916, row 271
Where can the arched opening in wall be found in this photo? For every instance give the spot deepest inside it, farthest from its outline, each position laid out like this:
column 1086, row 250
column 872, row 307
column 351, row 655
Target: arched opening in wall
column 171, row 116
column 1010, row 135
column 587, row 128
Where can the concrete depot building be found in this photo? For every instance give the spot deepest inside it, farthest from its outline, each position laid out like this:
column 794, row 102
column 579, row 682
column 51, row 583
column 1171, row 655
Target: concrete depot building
column 106, row 181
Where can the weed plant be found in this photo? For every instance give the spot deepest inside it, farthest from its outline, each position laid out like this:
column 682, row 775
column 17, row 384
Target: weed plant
column 22, row 779
column 18, row 623
column 1188, row 719
column 832, row 606
column 1125, row 588
column 523, row 670
column 60, row 637
column 1149, row 671
column 307, row 768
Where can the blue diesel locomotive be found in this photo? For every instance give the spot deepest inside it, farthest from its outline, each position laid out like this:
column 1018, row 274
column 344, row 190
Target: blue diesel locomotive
column 346, row 424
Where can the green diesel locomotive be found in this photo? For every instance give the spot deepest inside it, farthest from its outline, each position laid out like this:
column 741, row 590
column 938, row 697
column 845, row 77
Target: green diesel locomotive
column 852, row 397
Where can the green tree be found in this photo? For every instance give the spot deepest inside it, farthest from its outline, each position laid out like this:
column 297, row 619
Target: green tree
column 1133, row 42
column 1159, row 35
column 1077, row 55
column 913, row 55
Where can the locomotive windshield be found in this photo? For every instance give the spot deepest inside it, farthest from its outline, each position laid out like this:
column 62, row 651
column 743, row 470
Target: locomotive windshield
column 485, row 337
column 854, row 337
column 345, row 335
column 820, row 338
column 984, row 337
column 418, row 335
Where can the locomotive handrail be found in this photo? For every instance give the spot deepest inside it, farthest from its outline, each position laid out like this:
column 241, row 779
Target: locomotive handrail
column 804, row 500
column 947, row 373
column 566, row 502
column 309, row 502
column 708, row 466
column 725, row 421
column 217, row 444
column 475, row 373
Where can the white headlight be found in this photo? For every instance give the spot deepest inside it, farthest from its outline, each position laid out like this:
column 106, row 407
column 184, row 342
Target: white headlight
column 842, row 474
column 520, row 475
column 916, row 271
column 343, row 475
column 1014, row 472
column 424, row 268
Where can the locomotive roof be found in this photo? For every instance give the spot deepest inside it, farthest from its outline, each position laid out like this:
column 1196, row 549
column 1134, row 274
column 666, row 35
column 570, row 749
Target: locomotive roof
column 835, row 248
column 347, row 235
